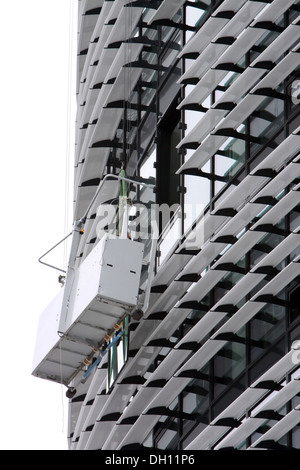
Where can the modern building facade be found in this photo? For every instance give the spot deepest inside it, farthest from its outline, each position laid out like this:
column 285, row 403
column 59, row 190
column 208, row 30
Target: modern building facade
column 188, row 122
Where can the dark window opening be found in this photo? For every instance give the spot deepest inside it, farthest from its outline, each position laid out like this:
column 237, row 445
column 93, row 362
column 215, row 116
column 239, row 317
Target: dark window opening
column 168, row 137
column 294, row 303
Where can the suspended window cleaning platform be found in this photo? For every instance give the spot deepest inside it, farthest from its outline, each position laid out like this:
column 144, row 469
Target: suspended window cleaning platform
column 105, row 289
column 78, row 324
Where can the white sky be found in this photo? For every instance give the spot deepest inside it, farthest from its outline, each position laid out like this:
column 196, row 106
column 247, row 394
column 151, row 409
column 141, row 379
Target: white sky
column 34, row 89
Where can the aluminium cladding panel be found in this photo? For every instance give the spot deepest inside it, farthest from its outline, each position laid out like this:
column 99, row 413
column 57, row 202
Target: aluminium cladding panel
column 107, row 282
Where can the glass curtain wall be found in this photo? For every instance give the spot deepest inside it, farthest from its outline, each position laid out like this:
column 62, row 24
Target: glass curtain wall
column 264, row 339
column 152, row 128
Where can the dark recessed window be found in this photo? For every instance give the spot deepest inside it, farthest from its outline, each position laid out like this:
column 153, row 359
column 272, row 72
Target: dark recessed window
column 294, row 304
column 168, row 138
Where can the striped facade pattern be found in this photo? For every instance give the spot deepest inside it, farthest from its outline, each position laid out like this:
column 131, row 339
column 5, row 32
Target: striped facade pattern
column 163, row 366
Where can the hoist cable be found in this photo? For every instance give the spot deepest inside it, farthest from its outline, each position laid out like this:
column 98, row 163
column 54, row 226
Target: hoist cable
column 68, row 133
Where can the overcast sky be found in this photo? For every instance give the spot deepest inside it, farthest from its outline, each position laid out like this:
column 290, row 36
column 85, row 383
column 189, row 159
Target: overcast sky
column 34, row 109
